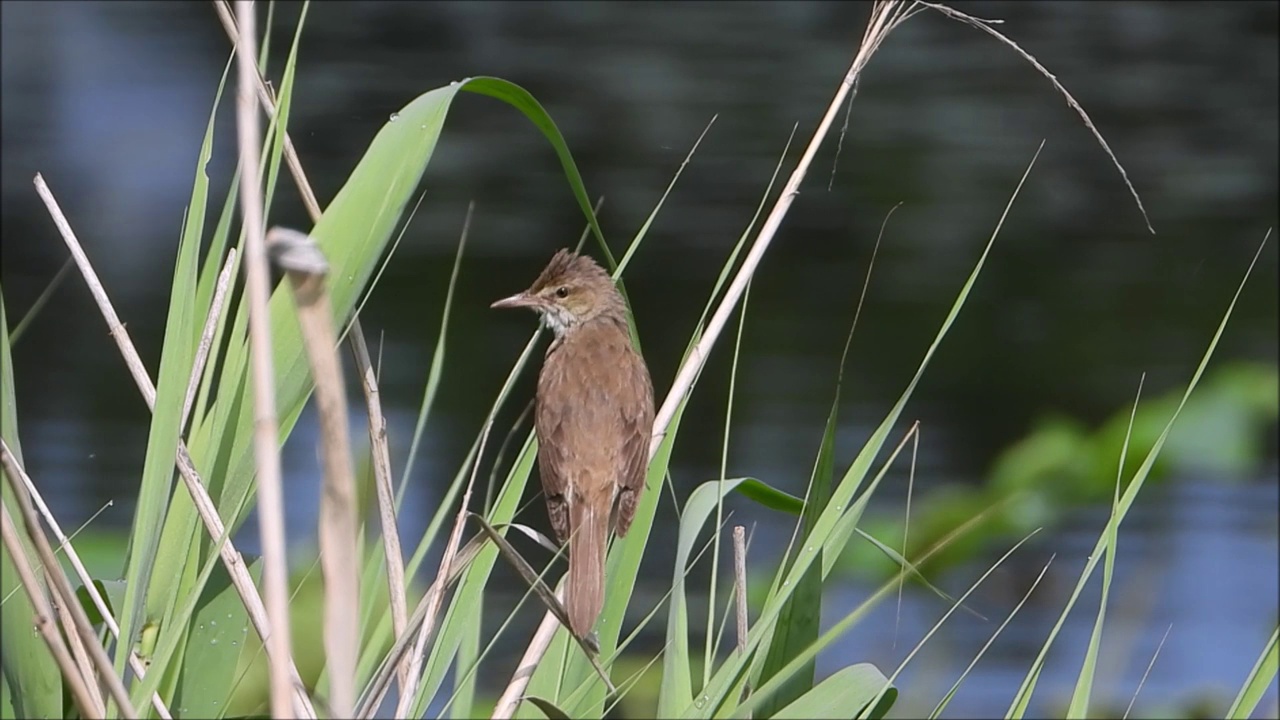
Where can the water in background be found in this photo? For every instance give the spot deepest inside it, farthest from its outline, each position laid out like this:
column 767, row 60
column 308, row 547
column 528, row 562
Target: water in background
column 109, row 101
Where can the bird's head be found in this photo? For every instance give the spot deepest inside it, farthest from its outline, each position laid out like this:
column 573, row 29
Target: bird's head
column 571, row 290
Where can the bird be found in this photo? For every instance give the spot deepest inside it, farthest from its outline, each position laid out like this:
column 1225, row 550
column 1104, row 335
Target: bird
column 593, row 417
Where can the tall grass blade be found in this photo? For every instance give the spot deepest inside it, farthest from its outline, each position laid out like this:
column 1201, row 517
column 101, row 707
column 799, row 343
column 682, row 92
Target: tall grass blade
column 436, row 370
column 797, row 626
column 32, row 680
column 1079, row 706
column 60, row 277
column 676, row 692
column 149, row 601
column 1256, row 685
column 1022, row 698
column 834, row 518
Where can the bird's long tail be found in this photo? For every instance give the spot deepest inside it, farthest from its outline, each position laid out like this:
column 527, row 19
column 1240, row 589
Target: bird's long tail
column 585, row 594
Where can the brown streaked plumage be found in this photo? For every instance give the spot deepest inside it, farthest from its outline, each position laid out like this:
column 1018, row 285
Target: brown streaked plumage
column 594, row 417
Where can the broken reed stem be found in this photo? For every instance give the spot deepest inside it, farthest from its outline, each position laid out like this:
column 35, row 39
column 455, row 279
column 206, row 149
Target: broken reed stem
column 299, row 255
column 60, row 588
column 43, row 619
column 257, row 292
column 231, row 558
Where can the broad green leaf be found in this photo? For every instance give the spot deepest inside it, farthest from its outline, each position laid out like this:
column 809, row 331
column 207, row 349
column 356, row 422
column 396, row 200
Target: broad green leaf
column 166, row 643
column 843, row 695
column 147, row 602
column 112, row 592
column 214, row 644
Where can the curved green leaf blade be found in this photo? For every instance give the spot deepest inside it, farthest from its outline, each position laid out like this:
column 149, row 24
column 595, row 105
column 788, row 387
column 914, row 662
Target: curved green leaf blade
column 766, row 495
column 843, row 695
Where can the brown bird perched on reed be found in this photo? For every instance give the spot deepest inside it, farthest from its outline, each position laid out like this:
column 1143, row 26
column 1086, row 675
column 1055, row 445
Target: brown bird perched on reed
column 594, row 418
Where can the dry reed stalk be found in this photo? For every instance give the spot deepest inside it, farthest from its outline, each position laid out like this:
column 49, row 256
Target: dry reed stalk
column 257, row 293
column 76, row 646
column 435, row 596
column 377, row 421
column 231, row 558
column 376, row 690
column 740, row 583
column 381, row 452
column 86, row 581
column 229, row 26
column 740, row 595
column 299, row 255
column 61, row 592
column 206, row 335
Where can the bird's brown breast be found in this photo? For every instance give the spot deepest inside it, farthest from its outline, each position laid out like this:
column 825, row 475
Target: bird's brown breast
column 594, row 416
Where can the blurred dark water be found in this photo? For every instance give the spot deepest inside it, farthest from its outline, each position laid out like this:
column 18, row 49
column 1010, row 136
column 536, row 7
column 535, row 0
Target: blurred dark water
column 109, row 101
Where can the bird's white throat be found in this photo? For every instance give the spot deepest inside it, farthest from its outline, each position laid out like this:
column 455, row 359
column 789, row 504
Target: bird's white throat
column 557, row 318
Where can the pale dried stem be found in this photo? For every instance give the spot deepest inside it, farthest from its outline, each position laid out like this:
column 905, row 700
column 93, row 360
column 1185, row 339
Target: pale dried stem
column 114, row 326
column 381, row 452
column 881, row 22
column 43, row 619
column 64, row 545
column 307, row 269
column 266, row 437
column 376, row 689
column 511, row 697
column 205, row 507
column 740, row 582
column 268, row 104
column 884, row 17
column 60, row 588
column 740, row 595
column 377, row 421
column 76, row 646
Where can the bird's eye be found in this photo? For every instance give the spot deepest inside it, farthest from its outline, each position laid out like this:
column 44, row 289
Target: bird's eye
column 562, row 292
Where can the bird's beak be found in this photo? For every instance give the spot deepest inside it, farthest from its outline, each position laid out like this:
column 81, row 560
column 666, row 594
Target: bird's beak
column 518, row 300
